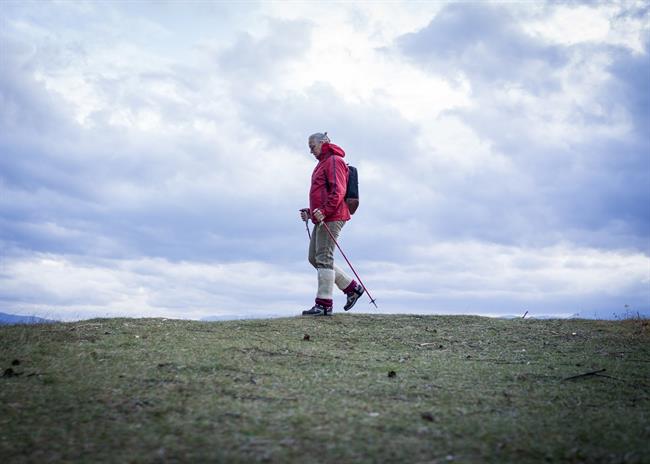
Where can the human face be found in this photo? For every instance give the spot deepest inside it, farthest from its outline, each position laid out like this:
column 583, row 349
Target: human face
column 314, row 148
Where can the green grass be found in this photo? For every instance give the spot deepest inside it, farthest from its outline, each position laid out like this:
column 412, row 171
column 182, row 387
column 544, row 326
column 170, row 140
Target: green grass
column 464, row 389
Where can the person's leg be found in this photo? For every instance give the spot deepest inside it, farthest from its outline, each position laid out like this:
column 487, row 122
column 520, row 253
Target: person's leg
column 324, row 245
column 324, row 261
column 321, row 257
column 345, row 283
column 341, row 279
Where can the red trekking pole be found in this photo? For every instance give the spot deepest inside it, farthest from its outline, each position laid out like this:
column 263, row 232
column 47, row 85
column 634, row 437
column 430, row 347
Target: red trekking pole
column 372, row 300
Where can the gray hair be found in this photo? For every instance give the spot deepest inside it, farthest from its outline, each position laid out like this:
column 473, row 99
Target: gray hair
column 319, row 137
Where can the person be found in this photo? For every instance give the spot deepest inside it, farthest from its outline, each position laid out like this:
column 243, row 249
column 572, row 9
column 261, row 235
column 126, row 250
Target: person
column 327, row 205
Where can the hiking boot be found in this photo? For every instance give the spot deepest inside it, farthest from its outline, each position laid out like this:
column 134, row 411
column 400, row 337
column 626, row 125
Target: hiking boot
column 353, row 297
column 318, row 310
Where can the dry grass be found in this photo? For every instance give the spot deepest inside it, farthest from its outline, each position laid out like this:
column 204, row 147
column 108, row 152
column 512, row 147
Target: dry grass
column 362, row 388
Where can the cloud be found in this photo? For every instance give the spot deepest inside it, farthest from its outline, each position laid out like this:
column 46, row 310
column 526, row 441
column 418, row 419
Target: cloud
column 484, row 40
column 441, row 278
column 73, row 287
column 629, row 88
column 555, row 120
column 153, row 166
column 252, row 58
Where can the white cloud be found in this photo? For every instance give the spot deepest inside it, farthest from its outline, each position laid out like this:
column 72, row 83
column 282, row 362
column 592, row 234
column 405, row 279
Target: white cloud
column 475, row 268
column 74, row 287
column 603, row 23
column 573, row 24
column 437, row 278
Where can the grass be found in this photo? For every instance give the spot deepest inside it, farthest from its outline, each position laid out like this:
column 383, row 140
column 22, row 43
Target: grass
column 362, row 388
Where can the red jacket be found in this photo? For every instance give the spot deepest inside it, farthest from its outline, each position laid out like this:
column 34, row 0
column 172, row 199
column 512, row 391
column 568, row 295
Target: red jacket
column 329, row 183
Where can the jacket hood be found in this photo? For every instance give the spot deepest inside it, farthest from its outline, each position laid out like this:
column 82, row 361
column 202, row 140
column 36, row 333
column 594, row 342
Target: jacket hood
column 328, row 149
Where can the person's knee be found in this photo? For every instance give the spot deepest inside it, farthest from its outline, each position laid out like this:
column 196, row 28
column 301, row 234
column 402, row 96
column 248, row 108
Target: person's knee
column 323, row 261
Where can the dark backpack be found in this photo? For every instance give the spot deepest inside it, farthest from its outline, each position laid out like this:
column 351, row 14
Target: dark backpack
column 352, row 192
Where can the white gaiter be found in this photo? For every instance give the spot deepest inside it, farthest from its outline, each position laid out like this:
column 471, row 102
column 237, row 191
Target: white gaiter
column 342, row 280
column 325, row 284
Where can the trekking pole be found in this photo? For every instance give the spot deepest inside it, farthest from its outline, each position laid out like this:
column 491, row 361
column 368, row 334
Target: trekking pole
column 372, row 300
column 307, row 226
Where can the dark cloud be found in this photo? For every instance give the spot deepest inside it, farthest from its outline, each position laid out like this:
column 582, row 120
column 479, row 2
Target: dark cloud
column 630, row 88
column 486, row 43
column 26, row 105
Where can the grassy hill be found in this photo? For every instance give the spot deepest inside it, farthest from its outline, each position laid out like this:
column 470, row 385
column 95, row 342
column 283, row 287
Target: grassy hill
column 349, row 388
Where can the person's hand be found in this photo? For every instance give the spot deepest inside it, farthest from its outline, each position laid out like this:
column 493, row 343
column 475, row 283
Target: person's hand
column 304, row 214
column 318, row 215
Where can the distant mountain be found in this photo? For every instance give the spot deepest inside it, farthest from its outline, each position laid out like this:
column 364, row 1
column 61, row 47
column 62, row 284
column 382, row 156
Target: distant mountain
column 9, row 319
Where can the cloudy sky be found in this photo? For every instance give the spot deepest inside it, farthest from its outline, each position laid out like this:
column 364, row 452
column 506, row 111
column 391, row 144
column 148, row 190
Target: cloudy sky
column 153, row 155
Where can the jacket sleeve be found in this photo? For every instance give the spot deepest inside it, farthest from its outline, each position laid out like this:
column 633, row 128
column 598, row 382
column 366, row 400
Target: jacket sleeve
column 337, row 179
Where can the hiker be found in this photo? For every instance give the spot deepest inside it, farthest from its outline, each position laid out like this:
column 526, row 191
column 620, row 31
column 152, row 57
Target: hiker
column 326, row 204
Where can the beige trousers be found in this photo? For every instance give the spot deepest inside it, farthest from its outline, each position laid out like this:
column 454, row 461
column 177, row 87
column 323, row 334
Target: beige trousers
column 321, row 256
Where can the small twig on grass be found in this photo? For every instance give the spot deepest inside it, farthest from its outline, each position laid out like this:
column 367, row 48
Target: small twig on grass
column 598, row 374
column 586, row 374
column 609, row 377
